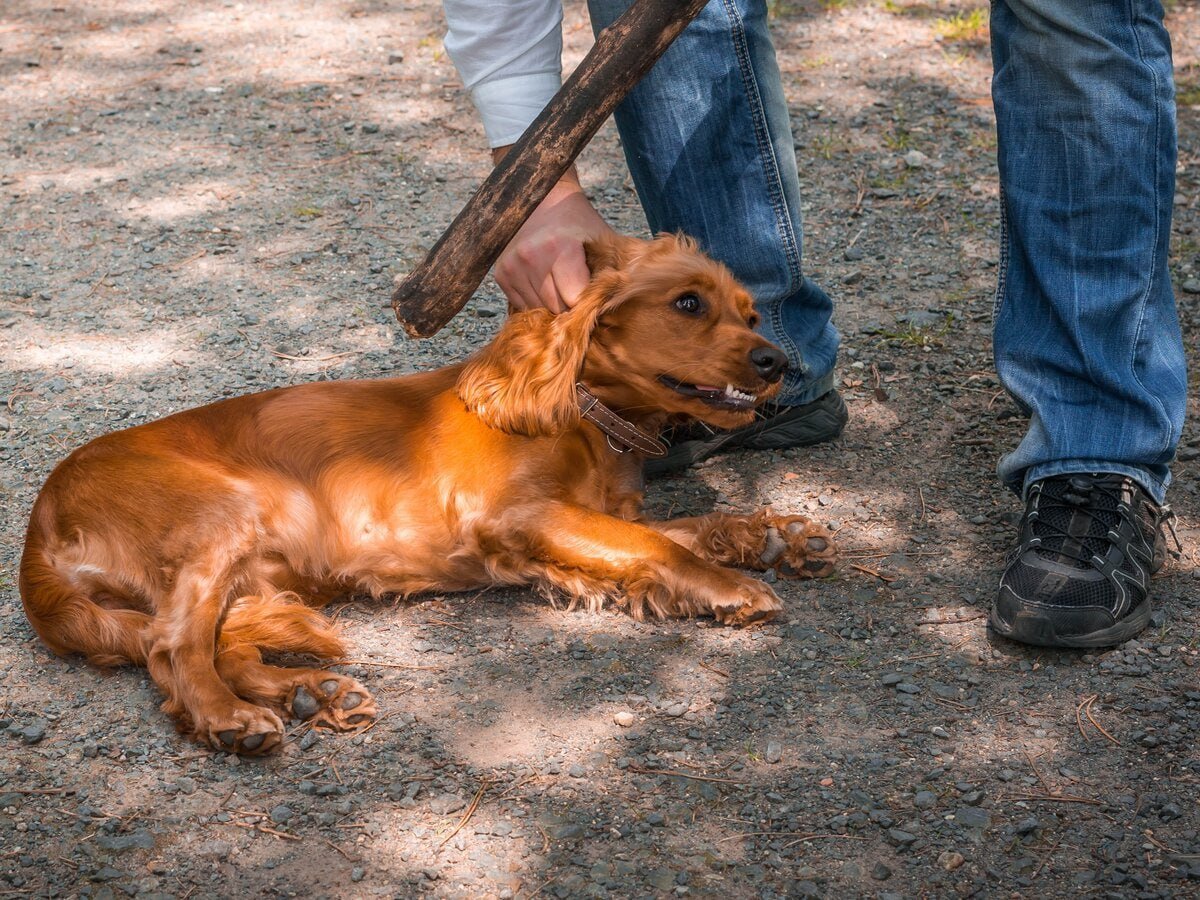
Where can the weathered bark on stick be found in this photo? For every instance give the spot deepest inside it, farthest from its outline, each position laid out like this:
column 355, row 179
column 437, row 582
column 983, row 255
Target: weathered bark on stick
column 625, row 51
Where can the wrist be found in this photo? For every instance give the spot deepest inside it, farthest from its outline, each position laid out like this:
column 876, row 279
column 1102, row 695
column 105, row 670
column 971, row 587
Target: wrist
column 566, row 185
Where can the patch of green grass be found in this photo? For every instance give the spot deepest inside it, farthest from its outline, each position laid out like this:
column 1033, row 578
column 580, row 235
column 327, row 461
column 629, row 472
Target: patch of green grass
column 891, row 182
column 1187, row 93
column 828, row 143
column 964, row 28
column 918, row 336
column 898, row 138
column 816, row 62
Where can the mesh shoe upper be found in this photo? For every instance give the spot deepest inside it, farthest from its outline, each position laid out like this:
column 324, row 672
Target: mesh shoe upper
column 1087, row 548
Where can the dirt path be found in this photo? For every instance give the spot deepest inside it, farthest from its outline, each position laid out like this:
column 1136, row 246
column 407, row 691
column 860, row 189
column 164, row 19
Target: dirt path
column 204, row 199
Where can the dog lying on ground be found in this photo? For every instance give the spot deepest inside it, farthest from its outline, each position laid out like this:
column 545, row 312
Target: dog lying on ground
column 192, row 544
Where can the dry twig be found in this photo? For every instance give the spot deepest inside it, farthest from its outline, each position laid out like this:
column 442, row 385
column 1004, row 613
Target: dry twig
column 1032, row 765
column 385, row 665
column 254, row 826
column 1086, row 709
column 467, row 815
column 886, row 578
column 644, row 771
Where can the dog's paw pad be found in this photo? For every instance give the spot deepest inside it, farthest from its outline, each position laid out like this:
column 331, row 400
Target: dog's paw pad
column 755, row 603
column 249, row 732
column 304, row 704
column 774, row 546
column 339, row 703
column 798, row 548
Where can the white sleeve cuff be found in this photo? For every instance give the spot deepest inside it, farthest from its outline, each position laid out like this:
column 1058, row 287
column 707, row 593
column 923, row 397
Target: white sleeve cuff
column 508, row 105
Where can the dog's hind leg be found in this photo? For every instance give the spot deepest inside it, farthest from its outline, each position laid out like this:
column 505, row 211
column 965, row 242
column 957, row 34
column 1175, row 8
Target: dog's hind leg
column 281, row 624
column 796, row 547
column 64, row 601
column 181, row 661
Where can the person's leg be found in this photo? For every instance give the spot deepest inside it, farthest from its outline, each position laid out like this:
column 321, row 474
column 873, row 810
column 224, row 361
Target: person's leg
column 709, row 144
column 1086, row 335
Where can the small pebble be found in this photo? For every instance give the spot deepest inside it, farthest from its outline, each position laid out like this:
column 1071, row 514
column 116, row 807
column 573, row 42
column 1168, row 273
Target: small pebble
column 281, row 814
column 950, row 860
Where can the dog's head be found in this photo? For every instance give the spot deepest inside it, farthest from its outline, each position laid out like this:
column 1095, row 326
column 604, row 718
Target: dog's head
column 661, row 331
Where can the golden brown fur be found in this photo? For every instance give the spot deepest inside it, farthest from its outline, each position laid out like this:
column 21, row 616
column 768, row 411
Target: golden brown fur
column 192, row 544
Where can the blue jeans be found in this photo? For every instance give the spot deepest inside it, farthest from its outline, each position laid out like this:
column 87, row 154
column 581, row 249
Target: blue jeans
column 1086, row 335
column 709, row 144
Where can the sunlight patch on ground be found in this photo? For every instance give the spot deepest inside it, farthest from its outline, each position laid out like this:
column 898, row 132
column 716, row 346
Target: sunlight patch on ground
column 97, row 353
column 69, row 178
column 180, row 201
column 409, row 841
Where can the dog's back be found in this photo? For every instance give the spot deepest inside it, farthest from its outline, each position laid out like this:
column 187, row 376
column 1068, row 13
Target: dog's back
column 122, row 517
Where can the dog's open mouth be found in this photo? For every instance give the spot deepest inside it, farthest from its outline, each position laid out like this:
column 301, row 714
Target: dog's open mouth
column 728, row 397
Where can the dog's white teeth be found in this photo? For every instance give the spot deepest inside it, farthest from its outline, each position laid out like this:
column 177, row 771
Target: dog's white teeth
column 731, row 391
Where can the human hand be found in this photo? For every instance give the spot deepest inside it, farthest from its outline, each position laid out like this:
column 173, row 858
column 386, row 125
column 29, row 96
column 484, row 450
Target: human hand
column 544, row 264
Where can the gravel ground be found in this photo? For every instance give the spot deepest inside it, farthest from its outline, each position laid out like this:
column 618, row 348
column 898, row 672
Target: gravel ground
column 204, row 199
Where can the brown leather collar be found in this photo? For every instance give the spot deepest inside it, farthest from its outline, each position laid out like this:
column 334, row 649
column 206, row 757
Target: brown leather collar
column 628, row 435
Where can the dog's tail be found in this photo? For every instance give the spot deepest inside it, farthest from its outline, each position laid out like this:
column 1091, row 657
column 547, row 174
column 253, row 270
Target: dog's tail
column 281, row 623
column 67, row 619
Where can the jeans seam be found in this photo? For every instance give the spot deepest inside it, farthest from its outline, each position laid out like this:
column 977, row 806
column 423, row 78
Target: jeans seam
column 1002, row 264
column 1145, row 298
column 766, row 152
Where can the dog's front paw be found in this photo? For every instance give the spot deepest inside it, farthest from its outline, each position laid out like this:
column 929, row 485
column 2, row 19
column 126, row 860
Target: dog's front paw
column 797, row 547
column 245, row 729
column 329, row 700
column 752, row 603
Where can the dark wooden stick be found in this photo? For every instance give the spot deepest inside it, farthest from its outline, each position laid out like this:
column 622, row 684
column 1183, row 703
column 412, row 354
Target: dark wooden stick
column 625, row 51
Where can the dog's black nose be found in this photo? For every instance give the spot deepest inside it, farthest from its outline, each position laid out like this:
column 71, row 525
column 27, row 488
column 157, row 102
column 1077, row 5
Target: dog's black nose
column 769, row 362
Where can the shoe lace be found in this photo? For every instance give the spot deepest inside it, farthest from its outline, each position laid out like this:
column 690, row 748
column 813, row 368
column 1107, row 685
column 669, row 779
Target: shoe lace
column 1077, row 517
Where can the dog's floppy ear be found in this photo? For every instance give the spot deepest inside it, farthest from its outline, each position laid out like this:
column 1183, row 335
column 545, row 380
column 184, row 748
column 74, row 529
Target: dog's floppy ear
column 523, row 382
column 611, row 253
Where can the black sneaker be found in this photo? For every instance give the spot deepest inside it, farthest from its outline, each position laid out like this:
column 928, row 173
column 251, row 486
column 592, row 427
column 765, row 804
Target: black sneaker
column 1080, row 574
column 775, row 428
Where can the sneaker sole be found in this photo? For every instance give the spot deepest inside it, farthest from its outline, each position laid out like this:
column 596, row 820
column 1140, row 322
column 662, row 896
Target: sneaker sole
column 1030, row 626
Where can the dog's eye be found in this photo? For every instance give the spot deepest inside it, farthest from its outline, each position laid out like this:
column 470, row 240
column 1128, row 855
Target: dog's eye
column 689, row 303
column 752, row 320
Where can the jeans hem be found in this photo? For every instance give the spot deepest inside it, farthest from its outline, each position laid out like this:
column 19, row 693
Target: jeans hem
column 1155, row 487
column 810, row 392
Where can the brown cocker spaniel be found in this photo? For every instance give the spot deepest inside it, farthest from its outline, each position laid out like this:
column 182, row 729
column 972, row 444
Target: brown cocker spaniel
column 192, row 544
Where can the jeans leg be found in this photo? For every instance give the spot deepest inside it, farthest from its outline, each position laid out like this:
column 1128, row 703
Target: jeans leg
column 1086, row 334
column 708, row 141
